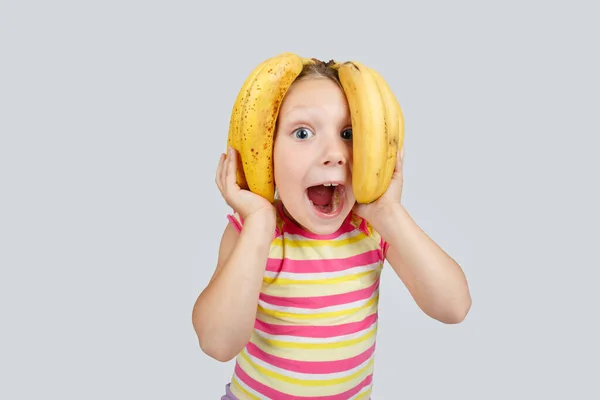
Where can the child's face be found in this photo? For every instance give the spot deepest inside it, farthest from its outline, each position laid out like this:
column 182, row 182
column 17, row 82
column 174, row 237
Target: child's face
column 313, row 146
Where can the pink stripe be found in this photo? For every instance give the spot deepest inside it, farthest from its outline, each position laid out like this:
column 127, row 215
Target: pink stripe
column 316, row 331
column 276, row 394
column 316, row 302
column 384, row 248
column 327, row 265
column 234, row 222
column 311, row 367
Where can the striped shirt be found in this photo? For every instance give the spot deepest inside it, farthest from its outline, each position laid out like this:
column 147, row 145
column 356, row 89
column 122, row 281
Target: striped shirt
column 316, row 320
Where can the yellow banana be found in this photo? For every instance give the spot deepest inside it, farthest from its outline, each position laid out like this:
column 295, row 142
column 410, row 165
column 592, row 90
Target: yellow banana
column 395, row 123
column 233, row 137
column 377, row 126
column 377, row 123
column 253, row 119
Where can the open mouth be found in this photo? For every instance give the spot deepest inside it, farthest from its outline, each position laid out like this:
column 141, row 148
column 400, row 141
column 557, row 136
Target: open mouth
column 327, row 198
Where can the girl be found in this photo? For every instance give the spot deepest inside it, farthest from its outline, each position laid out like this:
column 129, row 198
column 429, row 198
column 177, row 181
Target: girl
column 295, row 291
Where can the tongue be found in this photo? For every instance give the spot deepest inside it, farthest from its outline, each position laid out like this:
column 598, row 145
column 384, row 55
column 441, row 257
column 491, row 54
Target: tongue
column 320, row 195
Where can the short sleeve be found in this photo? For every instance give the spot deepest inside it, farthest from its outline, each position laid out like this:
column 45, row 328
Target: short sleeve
column 383, row 245
column 236, row 221
column 384, row 248
column 365, row 227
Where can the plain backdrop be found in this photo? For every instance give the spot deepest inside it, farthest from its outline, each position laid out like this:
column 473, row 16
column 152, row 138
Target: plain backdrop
column 113, row 115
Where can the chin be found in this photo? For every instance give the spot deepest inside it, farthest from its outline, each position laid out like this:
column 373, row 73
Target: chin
column 324, row 228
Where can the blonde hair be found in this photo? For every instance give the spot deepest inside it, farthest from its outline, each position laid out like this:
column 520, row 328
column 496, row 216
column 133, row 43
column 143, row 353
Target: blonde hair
column 317, row 70
column 320, row 69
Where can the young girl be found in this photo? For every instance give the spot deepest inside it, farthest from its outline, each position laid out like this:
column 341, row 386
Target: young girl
column 295, row 292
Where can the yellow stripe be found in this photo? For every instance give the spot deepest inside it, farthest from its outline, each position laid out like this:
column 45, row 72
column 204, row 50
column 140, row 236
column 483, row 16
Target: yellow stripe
column 306, row 382
column 322, row 281
column 284, row 314
column 308, row 354
column 322, row 289
column 336, row 320
column 318, row 243
column 276, row 252
column 239, row 391
column 364, row 395
column 321, row 253
column 300, row 390
column 317, row 346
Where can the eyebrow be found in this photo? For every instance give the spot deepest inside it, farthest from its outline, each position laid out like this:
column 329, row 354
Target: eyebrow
column 313, row 112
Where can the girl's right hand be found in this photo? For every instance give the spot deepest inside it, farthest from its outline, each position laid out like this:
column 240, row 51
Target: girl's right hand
column 245, row 202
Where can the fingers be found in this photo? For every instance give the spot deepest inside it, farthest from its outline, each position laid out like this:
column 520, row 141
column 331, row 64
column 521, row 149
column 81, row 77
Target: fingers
column 399, row 164
column 219, row 172
column 226, row 173
column 230, row 177
column 400, row 159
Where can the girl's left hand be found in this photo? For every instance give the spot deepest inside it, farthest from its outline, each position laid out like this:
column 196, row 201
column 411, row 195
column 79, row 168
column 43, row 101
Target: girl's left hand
column 391, row 198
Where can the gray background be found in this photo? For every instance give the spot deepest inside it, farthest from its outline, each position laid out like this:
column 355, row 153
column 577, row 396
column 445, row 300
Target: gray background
column 112, row 118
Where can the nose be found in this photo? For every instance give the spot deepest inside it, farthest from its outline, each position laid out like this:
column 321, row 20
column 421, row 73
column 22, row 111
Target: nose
column 336, row 153
column 334, row 159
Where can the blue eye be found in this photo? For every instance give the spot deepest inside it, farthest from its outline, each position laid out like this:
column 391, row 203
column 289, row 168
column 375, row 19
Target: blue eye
column 302, row 133
column 347, row 134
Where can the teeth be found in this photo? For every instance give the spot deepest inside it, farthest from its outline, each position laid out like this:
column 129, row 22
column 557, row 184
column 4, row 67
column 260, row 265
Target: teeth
column 336, row 201
column 330, row 184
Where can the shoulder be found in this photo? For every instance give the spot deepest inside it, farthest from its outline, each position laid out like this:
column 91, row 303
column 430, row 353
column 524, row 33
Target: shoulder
column 229, row 238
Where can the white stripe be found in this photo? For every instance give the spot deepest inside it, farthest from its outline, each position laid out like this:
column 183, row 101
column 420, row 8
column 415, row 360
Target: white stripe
column 300, row 276
column 312, row 340
column 301, row 310
column 299, row 375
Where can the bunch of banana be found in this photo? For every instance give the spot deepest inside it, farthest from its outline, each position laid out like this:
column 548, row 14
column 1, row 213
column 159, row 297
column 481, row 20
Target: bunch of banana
column 377, row 124
column 377, row 129
column 253, row 119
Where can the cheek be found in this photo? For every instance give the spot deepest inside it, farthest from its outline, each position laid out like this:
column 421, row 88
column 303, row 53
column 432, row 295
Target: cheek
column 289, row 178
column 289, row 171
column 285, row 166
column 350, row 155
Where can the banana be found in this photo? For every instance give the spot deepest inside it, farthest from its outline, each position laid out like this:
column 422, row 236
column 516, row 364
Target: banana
column 395, row 122
column 378, row 129
column 377, row 123
column 233, row 137
column 253, row 120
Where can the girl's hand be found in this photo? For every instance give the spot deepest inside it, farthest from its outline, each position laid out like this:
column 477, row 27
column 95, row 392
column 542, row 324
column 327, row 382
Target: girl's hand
column 391, row 198
column 245, row 202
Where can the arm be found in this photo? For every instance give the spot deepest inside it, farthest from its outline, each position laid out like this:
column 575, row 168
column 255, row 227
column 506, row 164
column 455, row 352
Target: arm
column 435, row 281
column 224, row 313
